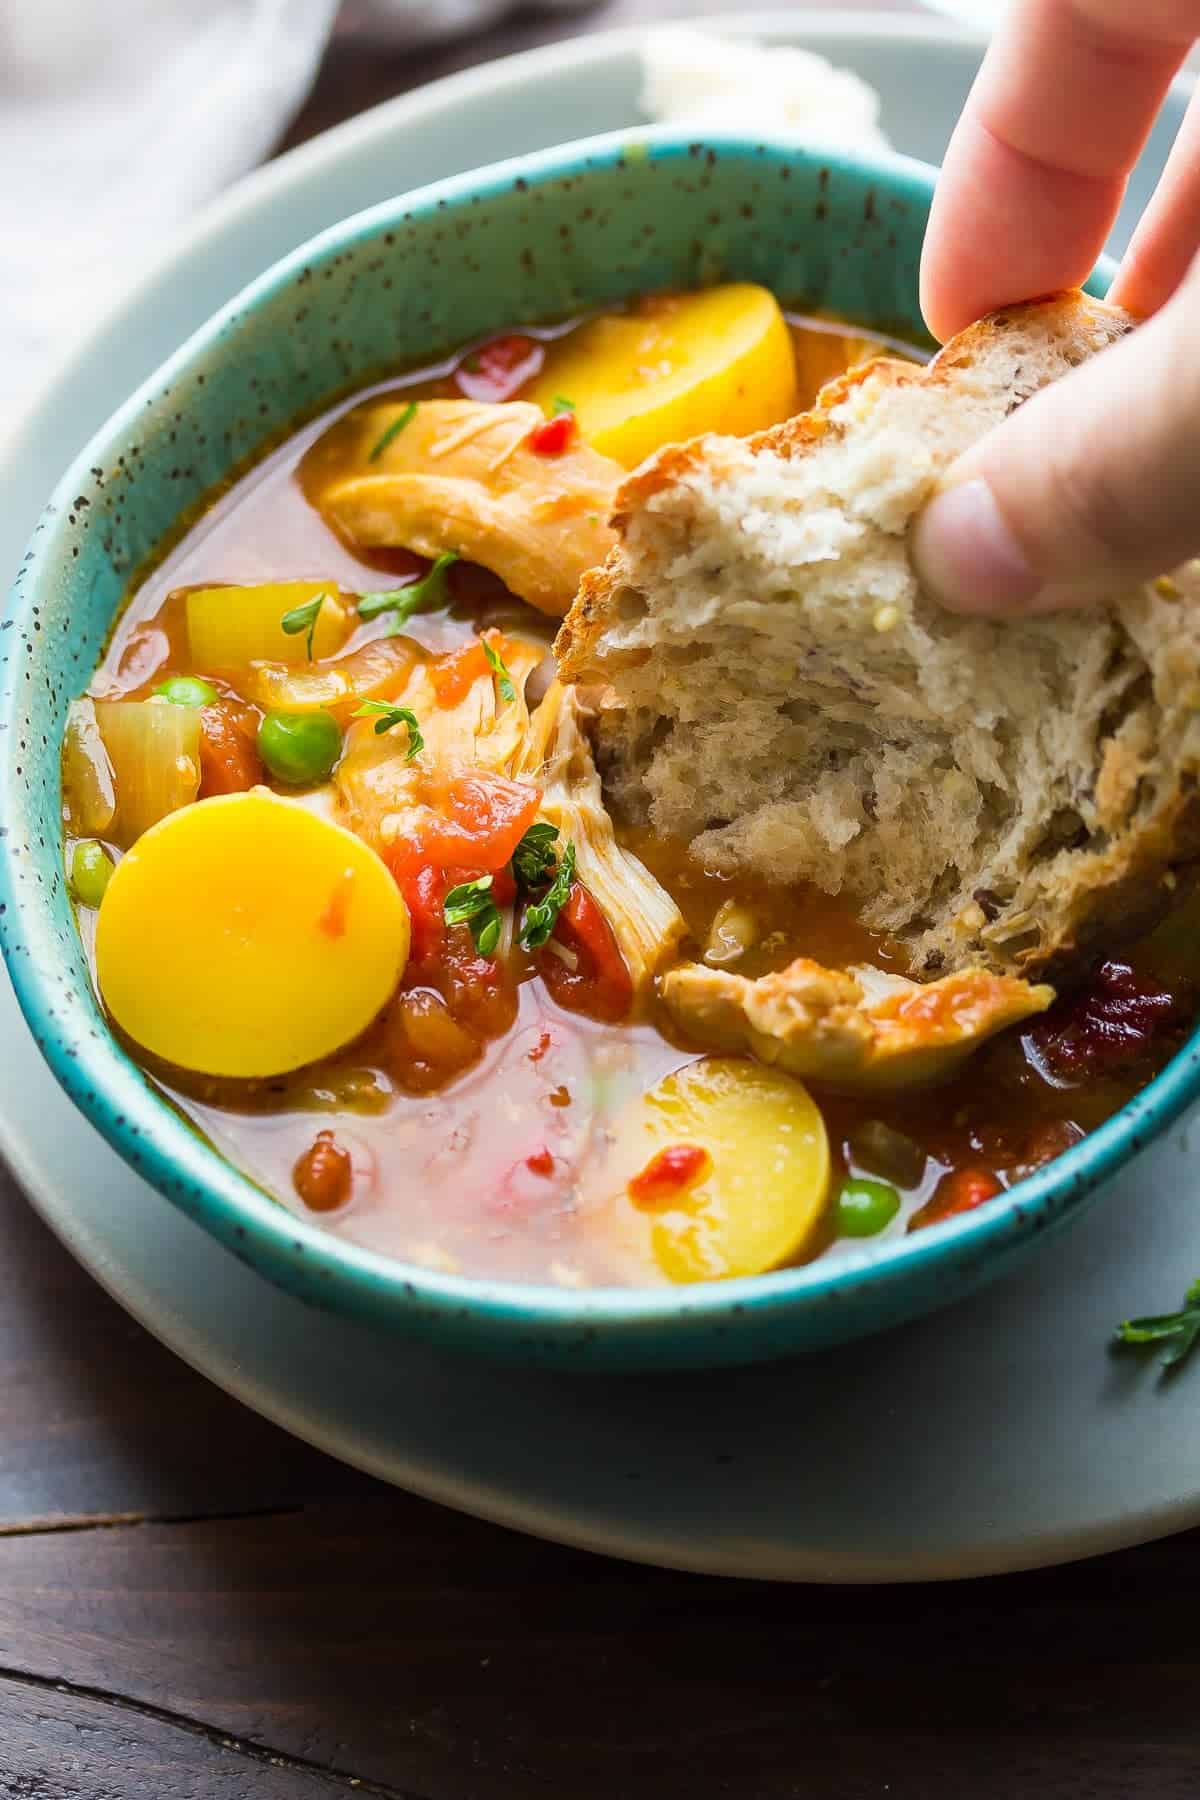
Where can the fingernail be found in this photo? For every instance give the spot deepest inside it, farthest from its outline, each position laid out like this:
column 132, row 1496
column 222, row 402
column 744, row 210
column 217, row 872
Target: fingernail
column 967, row 557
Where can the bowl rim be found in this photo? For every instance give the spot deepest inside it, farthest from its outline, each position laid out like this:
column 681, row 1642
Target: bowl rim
column 132, row 1114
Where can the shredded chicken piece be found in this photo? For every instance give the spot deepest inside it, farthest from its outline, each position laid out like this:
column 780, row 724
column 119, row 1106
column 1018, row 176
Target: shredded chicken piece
column 381, row 794
column 645, row 921
column 857, row 1029
column 460, row 476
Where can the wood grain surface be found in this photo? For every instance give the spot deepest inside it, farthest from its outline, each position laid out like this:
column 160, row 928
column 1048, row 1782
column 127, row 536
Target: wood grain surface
column 194, row 1606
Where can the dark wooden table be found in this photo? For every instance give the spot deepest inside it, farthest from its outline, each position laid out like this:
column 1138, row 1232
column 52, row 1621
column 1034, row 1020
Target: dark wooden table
column 195, row 1607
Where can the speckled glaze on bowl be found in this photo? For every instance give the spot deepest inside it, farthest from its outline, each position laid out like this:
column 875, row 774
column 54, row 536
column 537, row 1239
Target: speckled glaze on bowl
column 522, row 242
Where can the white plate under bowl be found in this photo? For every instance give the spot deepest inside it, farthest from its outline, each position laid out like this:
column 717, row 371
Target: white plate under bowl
column 1001, row 1434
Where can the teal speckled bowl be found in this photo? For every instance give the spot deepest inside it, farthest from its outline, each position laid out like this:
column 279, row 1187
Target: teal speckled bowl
column 522, row 242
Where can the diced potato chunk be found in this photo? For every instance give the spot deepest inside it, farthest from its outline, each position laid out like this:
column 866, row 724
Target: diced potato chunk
column 245, row 936
column 720, row 360
column 759, row 1197
column 229, row 626
column 154, row 753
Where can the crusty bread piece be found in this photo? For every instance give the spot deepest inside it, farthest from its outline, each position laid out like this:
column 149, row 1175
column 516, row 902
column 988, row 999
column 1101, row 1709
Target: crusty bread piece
column 782, row 694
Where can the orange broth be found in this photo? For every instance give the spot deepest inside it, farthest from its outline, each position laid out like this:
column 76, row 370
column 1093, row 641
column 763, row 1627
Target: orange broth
column 477, row 1168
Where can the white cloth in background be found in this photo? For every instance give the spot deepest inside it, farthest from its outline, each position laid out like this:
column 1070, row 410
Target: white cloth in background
column 117, row 118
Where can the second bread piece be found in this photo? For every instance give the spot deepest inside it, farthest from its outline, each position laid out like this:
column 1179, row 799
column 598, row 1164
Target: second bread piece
column 784, row 696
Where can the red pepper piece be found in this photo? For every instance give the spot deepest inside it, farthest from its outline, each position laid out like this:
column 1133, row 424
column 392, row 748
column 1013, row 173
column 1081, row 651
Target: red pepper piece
column 668, row 1174
column 229, row 759
column 553, row 437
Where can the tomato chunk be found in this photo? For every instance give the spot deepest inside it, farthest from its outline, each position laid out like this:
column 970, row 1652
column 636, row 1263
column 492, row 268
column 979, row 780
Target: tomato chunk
column 959, row 1191
column 454, row 675
column 424, row 1045
column 553, row 437
column 229, row 759
column 592, row 978
column 481, row 821
column 424, row 889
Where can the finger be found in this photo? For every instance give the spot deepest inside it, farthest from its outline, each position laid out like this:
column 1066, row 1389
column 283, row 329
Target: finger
column 1168, row 233
column 1037, row 167
column 1091, row 486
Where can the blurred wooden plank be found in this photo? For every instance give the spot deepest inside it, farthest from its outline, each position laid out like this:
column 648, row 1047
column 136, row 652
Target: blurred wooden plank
column 451, row 1660
column 97, row 1418
column 57, row 1745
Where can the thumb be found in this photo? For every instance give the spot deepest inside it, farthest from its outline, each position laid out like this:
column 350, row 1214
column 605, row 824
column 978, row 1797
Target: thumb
column 1092, row 485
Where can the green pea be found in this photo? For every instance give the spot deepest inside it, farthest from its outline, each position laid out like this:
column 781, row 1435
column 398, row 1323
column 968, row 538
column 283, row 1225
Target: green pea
column 91, row 871
column 299, row 748
column 865, row 1207
column 187, row 690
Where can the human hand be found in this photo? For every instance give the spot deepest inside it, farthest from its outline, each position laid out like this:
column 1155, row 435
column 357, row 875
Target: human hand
column 1094, row 483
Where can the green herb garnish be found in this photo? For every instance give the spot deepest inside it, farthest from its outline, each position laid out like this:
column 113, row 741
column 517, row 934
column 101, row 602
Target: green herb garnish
column 389, row 716
column 471, row 903
column 562, row 404
column 303, row 618
column 393, row 431
column 1178, row 1332
column 418, row 596
column 504, row 680
column 541, row 916
column 533, row 859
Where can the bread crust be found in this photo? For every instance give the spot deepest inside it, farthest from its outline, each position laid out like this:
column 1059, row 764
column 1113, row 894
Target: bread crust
column 1142, row 802
column 587, row 619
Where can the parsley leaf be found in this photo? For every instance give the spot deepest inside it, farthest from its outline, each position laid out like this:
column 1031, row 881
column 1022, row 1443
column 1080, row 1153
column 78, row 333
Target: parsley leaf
column 1179, row 1332
column 393, row 431
column 304, row 618
column 403, row 602
column 533, row 859
column 541, row 916
column 390, row 716
column 508, row 692
column 471, row 903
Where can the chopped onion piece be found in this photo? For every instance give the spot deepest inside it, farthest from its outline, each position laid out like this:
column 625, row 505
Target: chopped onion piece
column 154, row 750
column 378, row 670
column 89, row 796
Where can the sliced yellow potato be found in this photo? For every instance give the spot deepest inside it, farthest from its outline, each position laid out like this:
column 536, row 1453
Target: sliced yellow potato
column 245, row 936
column 720, row 360
column 228, row 626
column 756, row 1197
column 153, row 751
